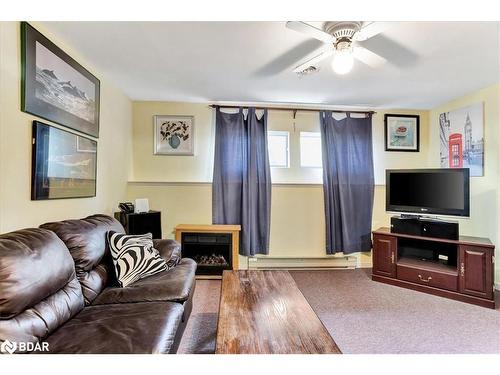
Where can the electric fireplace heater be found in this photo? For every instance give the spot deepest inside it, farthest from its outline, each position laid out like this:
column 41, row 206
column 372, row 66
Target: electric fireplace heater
column 211, row 251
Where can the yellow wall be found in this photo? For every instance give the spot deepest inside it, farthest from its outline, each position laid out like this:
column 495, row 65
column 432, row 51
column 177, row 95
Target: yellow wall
column 16, row 208
column 309, row 122
column 485, row 192
column 180, row 186
column 198, row 168
column 149, row 167
column 297, row 220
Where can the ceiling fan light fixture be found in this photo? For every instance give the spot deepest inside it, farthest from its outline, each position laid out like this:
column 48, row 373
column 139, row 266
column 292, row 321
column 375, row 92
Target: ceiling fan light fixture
column 340, row 40
column 343, row 61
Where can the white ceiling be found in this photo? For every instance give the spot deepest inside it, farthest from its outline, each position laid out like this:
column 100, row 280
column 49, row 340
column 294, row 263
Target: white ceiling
column 429, row 63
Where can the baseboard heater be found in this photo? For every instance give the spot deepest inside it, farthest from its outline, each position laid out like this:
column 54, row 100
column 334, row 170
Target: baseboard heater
column 263, row 263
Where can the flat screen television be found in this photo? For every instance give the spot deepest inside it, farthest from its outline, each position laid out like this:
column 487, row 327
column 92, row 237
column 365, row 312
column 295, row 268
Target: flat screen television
column 442, row 191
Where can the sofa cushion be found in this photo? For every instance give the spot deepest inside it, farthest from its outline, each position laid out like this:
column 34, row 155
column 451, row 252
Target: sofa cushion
column 173, row 285
column 34, row 264
column 134, row 257
column 119, row 329
column 86, row 241
column 169, row 250
column 36, row 323
column 38, row 286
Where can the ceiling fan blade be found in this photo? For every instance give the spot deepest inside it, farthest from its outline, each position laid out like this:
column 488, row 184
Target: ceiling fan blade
column 368, row 57
column 314, row 60
column 310, row 31
column 370, row 29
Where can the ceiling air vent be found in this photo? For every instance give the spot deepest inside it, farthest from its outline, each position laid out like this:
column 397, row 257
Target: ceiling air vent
column 309, row 70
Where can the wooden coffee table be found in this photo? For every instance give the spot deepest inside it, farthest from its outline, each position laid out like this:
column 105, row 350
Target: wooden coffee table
column 264, row 312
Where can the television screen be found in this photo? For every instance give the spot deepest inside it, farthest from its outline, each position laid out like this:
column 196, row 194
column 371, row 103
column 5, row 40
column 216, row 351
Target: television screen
column 428, row 191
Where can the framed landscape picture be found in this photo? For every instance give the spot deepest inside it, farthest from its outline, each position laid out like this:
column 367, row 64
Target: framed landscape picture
column 461, row 136
column 173, row 135
column 402, row 133
column 64, row 164
column 55, row 87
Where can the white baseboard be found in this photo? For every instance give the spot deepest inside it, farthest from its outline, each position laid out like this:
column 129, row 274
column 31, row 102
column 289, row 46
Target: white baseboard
column 262, row 263
column 364, row 265
column 497, row 286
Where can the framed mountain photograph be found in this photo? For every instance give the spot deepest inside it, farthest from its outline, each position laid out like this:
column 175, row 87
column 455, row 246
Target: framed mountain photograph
column 64, row 164
column 55, row 87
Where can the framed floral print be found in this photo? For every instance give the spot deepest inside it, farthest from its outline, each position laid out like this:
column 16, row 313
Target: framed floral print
column 174, row 135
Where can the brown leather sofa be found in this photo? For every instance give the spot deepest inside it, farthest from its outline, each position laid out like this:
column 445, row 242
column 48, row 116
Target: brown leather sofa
column 57, row 286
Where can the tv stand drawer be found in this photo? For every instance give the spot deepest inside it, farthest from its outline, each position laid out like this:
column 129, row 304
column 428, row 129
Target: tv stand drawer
column 430, row 278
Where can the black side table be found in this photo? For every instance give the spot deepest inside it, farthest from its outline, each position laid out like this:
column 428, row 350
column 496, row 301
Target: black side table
column 146, row 222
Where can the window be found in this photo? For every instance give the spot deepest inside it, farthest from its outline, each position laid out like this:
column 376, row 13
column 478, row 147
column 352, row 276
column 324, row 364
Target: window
column 310, row 150
column 277, row 145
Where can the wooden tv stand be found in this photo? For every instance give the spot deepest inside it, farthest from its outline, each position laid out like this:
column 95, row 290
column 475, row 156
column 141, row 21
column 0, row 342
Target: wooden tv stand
column 460, row 269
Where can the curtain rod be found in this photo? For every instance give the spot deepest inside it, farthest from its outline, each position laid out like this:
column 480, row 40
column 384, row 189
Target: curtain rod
column 290, row 109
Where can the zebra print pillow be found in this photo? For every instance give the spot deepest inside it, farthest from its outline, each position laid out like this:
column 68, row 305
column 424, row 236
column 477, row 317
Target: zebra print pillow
column 134, row 257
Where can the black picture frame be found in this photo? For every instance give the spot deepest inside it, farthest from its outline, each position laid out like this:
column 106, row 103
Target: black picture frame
column 60, row 90
column 388, row 147
column 59, row 164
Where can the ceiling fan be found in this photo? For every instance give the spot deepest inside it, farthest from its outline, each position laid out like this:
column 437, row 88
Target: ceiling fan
column 342, row 41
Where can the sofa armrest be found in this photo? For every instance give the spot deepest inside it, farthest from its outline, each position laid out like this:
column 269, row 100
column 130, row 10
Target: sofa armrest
column 169, row 250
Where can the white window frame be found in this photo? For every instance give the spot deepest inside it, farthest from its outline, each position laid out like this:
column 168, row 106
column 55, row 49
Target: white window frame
column 308, row 135
column 280, row 133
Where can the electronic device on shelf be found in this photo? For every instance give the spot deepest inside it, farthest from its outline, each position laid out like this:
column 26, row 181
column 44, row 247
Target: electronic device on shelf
column 426, row 253
column 425, row 227
column 141, row 205
column 414, row 192
column 443, row 191
column 126, row 207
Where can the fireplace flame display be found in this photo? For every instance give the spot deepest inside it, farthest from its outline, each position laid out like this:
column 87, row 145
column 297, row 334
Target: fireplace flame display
column 211, row 251
column 211, row 260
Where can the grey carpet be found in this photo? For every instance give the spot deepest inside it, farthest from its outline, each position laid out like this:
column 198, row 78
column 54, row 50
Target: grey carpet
column 199, row 336
column 367, row 317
